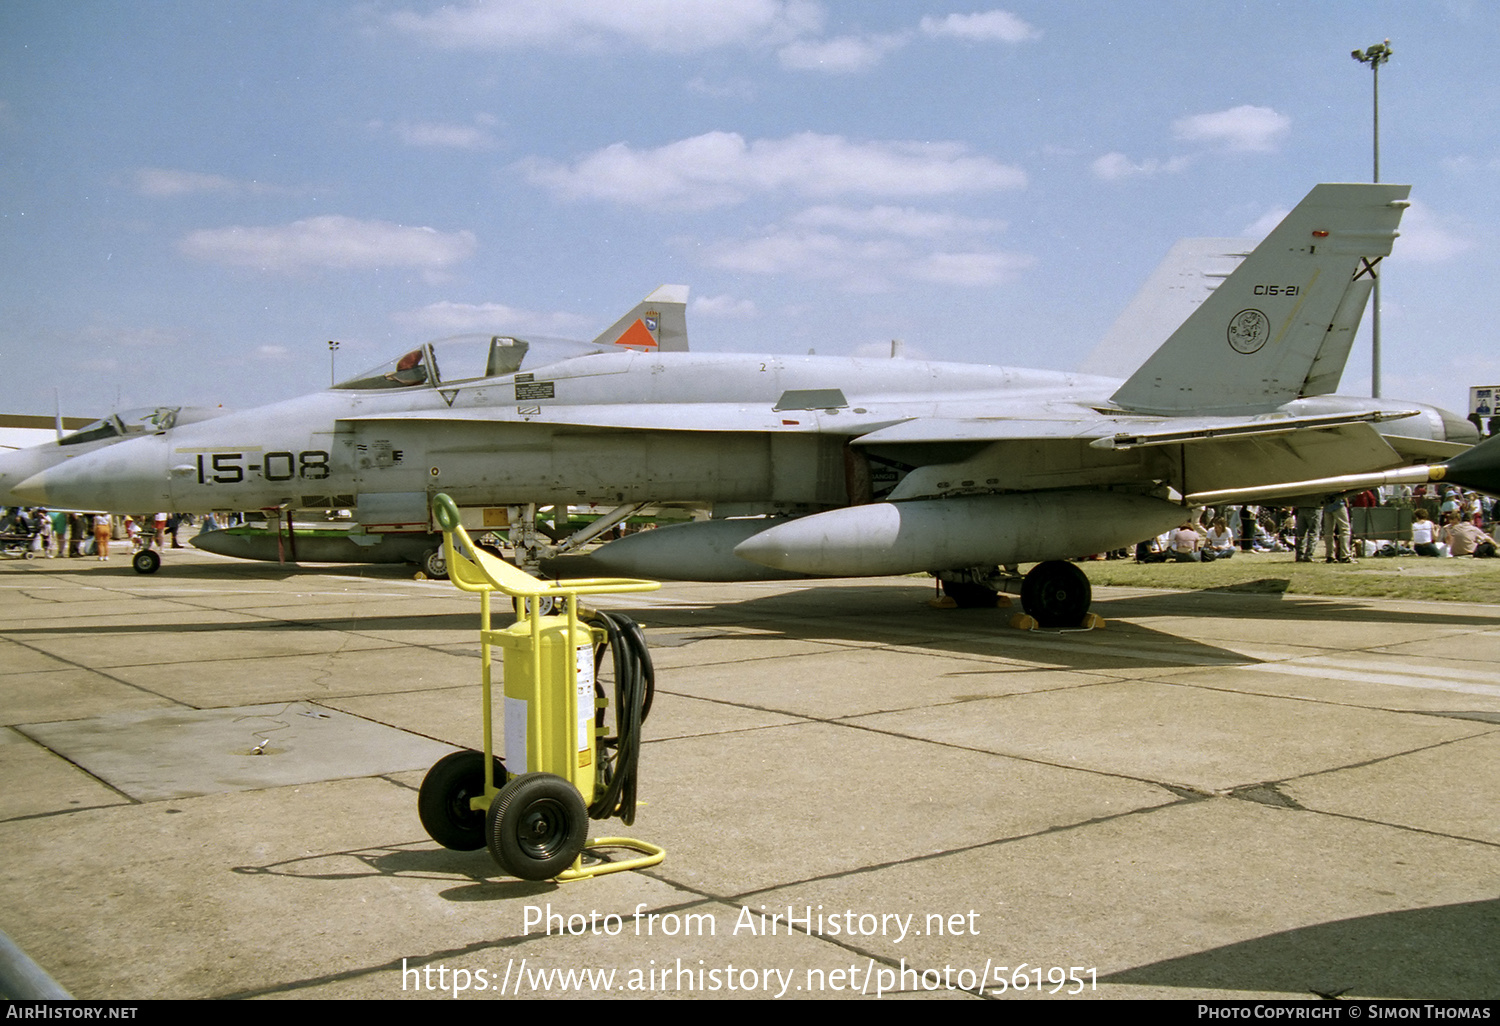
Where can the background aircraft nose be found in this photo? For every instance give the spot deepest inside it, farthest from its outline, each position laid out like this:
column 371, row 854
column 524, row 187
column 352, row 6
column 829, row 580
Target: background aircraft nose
column 110, row 478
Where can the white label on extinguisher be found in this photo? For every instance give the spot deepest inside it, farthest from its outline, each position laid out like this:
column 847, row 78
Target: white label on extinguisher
column 585, row 654
column 515, row 737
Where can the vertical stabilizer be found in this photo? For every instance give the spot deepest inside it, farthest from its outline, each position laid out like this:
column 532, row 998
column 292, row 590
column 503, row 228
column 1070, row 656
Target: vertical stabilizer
column 1281, row 325
column 1187, row 276
column 657, row 325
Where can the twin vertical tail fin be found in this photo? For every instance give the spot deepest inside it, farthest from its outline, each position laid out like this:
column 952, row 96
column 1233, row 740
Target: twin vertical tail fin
column 1280, row 327
column 658, row 324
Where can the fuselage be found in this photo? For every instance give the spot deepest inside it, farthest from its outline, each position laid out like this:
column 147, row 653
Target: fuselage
column 623, row 426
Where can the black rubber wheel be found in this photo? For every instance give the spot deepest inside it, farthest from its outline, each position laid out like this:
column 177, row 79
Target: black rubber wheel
column 537, row 826
column 1056, row 593
column 146, row 561
column 434, row 565
column 443, row 801
column 968, row 595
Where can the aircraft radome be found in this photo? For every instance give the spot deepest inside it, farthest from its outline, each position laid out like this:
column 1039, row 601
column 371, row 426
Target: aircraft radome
column 829, row 466
column 17, row 465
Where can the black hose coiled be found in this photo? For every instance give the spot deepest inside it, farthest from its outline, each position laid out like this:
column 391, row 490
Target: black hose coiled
column 635, row 686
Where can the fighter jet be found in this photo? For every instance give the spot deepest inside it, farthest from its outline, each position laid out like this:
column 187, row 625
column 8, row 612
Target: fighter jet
column 829, row 466
column 17, row 465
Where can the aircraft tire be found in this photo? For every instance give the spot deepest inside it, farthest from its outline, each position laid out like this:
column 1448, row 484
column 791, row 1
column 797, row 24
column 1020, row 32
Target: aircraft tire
column 537, row 826
column 443, row 801
column 434, row 565
column 146, row 561
column 969, row 595
column 1056, row 593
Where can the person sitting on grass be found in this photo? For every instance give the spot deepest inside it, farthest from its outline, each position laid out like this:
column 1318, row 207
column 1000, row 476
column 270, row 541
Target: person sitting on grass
column 1464, row 539
column 1185, row 544
column 1220, row 539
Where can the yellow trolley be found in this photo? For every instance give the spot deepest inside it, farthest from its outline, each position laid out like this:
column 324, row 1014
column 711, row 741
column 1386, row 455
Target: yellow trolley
column 535, row 822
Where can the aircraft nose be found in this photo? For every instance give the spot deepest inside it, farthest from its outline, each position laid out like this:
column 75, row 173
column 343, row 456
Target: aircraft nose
column 30, row 492
column 106, row 479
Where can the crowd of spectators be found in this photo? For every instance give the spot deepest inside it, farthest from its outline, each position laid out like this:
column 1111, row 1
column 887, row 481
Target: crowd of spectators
column 1445, row 521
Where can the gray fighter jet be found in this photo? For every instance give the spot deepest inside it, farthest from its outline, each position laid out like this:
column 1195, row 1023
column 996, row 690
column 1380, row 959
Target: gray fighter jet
column 826, row 466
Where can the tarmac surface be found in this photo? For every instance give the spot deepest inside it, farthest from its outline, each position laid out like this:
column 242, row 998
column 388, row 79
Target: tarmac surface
column 211, row 780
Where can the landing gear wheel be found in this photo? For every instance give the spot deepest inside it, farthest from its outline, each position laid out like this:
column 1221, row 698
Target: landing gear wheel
column 434, row 565
column 146, row 561
column 537, row 826
column 969, row 595
column 443, row 801
column 1056, row 593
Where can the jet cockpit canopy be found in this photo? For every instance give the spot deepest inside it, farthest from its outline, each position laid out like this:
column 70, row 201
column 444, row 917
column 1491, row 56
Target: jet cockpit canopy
column 467, row 358
column 125, row 424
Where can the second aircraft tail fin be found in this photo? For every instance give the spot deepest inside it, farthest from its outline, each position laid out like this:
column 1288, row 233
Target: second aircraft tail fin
column 1281, row 325
column 658, row 324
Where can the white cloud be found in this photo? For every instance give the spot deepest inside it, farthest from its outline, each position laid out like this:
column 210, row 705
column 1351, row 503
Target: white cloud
column 441, row 135
column 674, row 26
column 987, row 26
column 330, row 241
column 448, row 318
column 814, row 254
column 970, row 269
column 723, row 306
column 167, row 182
column 868, row 264
column 887, row 220
column 721, row 169
column 1242, row 129
column 1425, row 238
column 843, row 55
column 273, row 354
column 1262, row 226
column 1114, row 166
column 732, row 89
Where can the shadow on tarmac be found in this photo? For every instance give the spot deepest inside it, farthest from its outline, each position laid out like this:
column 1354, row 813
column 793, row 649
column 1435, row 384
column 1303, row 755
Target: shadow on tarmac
column 1424, row 953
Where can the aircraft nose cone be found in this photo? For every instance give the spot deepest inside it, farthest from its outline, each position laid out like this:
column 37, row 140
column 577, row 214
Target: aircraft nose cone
column 30, row 492
column 109, row 478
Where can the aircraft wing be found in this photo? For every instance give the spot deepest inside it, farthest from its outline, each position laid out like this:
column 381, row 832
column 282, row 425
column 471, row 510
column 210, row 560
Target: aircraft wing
column 1191, row 454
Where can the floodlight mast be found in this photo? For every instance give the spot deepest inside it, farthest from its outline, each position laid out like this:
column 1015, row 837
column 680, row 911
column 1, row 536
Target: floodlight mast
column 1375, row 56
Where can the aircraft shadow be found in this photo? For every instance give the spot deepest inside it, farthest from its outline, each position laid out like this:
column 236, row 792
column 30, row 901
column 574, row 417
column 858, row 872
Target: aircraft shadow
column 896, row 615
column 1267, row 599
column 1446, row 951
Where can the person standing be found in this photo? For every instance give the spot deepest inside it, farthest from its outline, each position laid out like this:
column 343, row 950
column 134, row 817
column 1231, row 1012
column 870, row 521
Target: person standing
column 103, row 528
column 1307, row 533
column 1338, row 539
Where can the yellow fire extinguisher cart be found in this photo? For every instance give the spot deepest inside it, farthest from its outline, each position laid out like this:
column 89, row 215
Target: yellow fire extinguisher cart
column 565, row 769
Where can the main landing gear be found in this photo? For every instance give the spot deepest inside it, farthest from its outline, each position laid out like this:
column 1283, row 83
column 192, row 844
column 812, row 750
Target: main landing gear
column 1055, row 594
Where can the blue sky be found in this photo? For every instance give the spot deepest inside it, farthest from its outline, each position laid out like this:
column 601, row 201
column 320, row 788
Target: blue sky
column 195, row 197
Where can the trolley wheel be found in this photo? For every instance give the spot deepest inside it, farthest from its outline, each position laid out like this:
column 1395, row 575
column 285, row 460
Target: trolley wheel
column 146, row 561
column 443, row 801
column 537, row 825
column 1056, row 593
column 434, row 565
column 28, row 554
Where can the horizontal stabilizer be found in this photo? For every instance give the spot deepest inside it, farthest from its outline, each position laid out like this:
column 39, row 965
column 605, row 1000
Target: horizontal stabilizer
column 1190, row 272
column 1477, row 469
